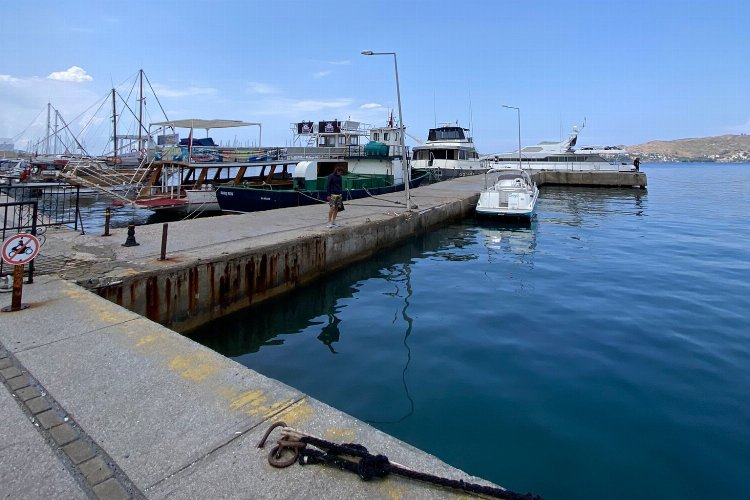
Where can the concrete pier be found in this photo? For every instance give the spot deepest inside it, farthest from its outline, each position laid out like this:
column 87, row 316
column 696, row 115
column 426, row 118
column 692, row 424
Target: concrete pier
column 100, row 401
column 590, row 179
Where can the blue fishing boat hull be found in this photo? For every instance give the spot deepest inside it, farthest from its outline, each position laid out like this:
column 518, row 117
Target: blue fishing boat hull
column 249, row 199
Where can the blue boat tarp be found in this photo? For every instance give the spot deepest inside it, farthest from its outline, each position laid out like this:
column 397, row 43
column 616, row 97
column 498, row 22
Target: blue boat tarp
column 208, row 141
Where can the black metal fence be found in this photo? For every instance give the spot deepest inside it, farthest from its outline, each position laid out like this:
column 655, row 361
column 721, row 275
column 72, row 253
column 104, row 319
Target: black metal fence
column 31, row 209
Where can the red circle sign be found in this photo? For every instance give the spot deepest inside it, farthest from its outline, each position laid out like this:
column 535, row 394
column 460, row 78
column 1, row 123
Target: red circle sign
column 20, row 249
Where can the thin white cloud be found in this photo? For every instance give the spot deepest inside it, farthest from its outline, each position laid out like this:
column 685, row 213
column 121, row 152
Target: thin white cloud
column 312, row 105
column 371, row 105
column 10, row 80
column 339, row 63
column 321, row 74
column 164, row 91
column 261, row 88
column 72, row 74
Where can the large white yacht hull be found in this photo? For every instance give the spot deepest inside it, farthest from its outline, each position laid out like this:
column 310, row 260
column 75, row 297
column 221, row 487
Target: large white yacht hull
column 564, row 166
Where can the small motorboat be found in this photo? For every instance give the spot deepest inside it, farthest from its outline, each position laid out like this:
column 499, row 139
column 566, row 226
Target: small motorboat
column 509, row 193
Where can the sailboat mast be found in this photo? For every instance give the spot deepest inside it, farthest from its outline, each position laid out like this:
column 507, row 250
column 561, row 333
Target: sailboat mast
column 114, row 125
column 57, row 113
column 46, row 144
column 140, row 114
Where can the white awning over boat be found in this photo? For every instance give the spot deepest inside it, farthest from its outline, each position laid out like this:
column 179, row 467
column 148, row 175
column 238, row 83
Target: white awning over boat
column 204, row 124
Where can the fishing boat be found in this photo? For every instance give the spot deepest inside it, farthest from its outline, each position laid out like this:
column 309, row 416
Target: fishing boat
column 448, row 152
column 371, row 159
column 184, row 173
column 564, row 155
column 508, row 193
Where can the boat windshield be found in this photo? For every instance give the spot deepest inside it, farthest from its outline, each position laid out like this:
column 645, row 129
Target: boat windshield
column 446, row 134
column 503, row 177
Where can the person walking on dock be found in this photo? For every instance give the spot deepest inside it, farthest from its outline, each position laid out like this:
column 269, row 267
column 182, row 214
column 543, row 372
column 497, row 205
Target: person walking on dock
column 334, row 190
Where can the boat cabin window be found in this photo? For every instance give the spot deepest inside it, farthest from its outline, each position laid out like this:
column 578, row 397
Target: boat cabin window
column 437, row 154
column 353, row 140
column 385, row 136
column 342, row 140
column 445, row 154
column 446, row 133
column 376, row 136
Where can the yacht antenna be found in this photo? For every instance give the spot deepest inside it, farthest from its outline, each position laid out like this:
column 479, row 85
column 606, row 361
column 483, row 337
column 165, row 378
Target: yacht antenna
column 434, row 113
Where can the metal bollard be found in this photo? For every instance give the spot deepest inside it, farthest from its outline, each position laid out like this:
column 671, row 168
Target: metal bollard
column 16, row 304
column 130, row 240
column 107, row 215
column 164, row 230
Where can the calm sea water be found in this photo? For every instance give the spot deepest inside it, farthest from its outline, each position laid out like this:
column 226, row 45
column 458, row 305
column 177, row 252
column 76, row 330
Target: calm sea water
column 603, row 352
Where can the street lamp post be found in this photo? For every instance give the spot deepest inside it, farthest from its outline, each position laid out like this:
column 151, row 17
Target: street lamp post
column 401, row 125
column 519, row 131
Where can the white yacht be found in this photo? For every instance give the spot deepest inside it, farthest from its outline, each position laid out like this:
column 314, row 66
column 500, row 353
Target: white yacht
column 508, row 193
column 448, row 152
column 563, row 155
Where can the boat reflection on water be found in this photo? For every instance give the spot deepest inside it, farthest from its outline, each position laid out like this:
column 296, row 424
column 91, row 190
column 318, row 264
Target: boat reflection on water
column 517, row 238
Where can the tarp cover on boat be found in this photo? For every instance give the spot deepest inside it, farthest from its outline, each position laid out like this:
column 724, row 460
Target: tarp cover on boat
column 208, row 141
column 205, row 124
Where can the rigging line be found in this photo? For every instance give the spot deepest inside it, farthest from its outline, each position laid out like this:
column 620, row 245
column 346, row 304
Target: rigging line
column 84, row 111
column 91, row 118
column 71, row 132
column 126, row 105
column 132, row 76
column 15, row 137
column 157, row 98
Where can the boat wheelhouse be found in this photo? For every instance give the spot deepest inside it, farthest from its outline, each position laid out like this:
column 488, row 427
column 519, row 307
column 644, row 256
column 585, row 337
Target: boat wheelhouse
column 448, row 152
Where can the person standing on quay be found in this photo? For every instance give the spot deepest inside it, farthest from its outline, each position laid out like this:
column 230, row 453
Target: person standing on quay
column 334, row 190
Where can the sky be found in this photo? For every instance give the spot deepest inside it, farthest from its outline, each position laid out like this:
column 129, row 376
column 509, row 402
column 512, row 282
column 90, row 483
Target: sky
column 634, row 71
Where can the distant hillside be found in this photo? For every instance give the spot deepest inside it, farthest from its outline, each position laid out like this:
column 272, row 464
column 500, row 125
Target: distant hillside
column 724, row 148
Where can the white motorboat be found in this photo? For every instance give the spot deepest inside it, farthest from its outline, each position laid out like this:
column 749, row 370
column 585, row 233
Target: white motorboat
column 563, row 155
column 509, row 192
column 448, row 152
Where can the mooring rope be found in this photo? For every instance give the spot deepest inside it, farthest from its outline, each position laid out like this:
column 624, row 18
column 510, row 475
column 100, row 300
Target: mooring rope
column 365, row 464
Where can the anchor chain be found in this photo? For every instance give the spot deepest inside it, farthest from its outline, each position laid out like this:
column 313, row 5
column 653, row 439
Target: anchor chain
column 293, row 447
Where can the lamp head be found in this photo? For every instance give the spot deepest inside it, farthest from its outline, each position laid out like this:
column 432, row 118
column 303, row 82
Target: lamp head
column 367, row 52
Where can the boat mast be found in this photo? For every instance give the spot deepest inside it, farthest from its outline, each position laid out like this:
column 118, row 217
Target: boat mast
column 57, row 114
column 140, row 114
column 114, row 125
column 46, row 144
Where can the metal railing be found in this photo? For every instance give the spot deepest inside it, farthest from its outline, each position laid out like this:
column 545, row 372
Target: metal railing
column 18, row 217
column 31, row 209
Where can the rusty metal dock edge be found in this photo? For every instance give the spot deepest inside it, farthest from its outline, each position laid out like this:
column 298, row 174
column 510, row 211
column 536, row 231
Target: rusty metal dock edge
column 186, row 295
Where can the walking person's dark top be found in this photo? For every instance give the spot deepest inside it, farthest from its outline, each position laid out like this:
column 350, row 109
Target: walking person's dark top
column 334, row 190
column 334, row 182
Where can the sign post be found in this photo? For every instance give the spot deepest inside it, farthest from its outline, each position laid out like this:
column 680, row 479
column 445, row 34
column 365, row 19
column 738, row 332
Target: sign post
column 17, row 251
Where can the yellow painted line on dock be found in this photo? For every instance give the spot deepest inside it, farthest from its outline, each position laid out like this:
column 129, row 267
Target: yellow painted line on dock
column 197, row 366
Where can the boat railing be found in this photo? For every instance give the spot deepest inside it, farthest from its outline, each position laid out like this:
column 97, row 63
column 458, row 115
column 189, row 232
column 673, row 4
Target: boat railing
column 327, row 153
